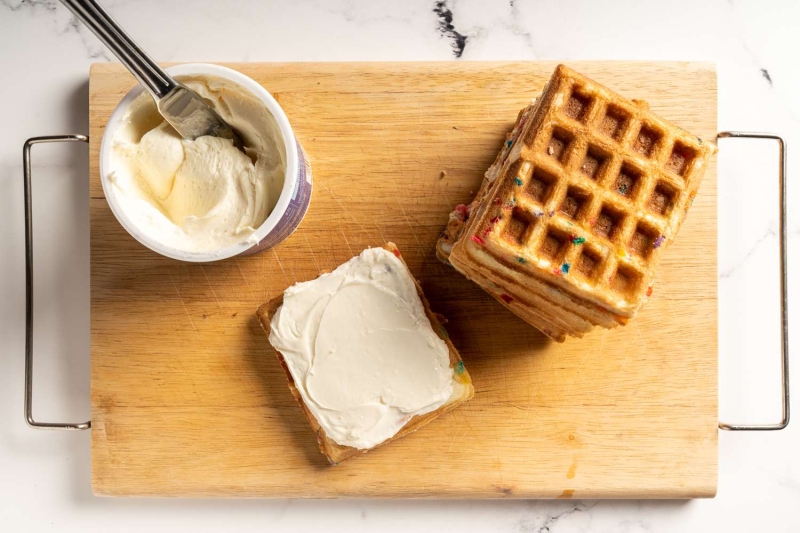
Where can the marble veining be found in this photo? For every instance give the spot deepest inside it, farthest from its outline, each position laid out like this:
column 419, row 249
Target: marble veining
column 446, row 28
column 550, row 521
column 93, row 49
column 768, row 235
column 513, row 25
column 48, row 5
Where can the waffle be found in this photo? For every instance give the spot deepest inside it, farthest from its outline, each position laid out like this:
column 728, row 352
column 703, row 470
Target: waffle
column 573, row 216
column 462, row 213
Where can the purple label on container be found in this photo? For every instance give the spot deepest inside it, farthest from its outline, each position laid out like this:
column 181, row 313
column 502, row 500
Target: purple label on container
column 298, row 205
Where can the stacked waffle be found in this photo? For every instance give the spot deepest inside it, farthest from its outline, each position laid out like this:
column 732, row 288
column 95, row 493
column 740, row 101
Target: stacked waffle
column 572, row 217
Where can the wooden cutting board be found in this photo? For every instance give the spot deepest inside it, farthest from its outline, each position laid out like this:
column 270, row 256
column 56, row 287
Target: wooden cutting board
column 188, row 398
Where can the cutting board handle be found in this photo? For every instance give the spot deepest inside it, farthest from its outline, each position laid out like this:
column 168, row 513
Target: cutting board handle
column 784, row 302
column 26, row 166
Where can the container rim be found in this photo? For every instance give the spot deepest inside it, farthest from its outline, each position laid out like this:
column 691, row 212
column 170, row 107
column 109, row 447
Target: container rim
column 290, row 176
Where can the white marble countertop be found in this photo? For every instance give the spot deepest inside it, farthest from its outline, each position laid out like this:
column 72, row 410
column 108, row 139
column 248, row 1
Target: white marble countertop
column 45, row 57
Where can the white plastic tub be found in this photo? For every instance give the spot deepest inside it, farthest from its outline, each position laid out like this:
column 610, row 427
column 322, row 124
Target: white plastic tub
column 292, row 203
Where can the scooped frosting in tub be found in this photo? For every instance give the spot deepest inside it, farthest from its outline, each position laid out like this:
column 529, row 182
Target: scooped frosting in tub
column 201, row 195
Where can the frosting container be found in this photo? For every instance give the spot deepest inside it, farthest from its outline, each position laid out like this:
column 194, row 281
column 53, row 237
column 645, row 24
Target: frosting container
column 146, row 217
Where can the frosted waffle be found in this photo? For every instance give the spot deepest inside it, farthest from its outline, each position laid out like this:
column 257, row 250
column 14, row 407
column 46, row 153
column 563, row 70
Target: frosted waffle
column 585, row 196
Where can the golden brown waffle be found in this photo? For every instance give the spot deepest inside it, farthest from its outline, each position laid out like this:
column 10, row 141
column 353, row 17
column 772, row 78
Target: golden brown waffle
column 531, row 314
column 547, row 299
column 588, row 190
column 534, row 290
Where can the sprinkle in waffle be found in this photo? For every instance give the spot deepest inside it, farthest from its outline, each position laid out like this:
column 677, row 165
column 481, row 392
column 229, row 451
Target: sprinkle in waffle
column 586, row 193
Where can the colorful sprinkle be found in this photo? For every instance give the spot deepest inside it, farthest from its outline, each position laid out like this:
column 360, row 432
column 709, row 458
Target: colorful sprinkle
column 490, row 227
column 508, row 143
column 649, row 291
column 521, row 260
column 462, row 210
column 396, row 252
column 506, row 298
column 477, row 240
column 622, row 254
column 442, row 332
column 537, row 213
column 659, row 241
column 518, row 182
column 460, row 367
column 565, row 268
column 552, row 213
column 623, row 189
column 578, row 240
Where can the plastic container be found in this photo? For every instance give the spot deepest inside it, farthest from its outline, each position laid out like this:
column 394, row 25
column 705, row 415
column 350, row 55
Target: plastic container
column 295, row 194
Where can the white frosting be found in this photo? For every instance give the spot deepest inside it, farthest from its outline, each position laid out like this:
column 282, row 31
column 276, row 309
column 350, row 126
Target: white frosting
column 361, row 350
column 201, row 195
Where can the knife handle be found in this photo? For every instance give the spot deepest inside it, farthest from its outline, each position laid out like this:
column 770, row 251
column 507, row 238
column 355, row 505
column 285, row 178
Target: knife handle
column 97, row 19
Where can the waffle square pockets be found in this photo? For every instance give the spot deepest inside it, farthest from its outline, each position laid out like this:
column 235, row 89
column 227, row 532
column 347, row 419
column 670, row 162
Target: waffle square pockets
column 571, row 219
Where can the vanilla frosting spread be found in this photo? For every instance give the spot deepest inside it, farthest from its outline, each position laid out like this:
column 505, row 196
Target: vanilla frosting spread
column 201, row 195
column 361, row 349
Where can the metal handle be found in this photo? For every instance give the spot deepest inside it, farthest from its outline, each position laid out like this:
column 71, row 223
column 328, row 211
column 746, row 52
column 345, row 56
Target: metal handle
column 97, row 19
column 784, row 302
column 26, row 165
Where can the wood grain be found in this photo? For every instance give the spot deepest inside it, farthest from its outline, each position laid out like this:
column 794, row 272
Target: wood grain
column 189, row 400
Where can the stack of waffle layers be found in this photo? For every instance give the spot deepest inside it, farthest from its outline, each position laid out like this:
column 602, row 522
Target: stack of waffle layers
column 571, row 219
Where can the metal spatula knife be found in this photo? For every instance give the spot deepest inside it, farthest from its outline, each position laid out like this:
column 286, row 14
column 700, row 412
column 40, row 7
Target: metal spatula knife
column 184, row 109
